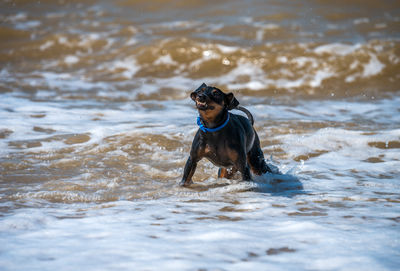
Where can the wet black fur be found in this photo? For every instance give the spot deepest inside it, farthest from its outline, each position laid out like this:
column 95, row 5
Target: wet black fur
column 235, row 147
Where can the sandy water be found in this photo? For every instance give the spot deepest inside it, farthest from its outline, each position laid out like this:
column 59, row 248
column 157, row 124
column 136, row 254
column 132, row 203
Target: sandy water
column 96, row 125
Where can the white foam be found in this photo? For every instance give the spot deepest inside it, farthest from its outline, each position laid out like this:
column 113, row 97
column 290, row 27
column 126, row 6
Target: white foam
column 131, row 41
column 282, row 59
column 227, row 49
column 71, row 59
column 128, row 65
column 66, row 81
column 177, row 24
column 245, row 68
column 46, row 45
column 373, row 67
column 380, row 25
column 166, row 60
column 336, row 48
column 170, row 235
column 302, row 61
column 270, row 26
column 286, row 83
column 361, row 21
column 28, row 25
column 342, row 149
column 62, row 40
column 21, row 16
column 319, row 77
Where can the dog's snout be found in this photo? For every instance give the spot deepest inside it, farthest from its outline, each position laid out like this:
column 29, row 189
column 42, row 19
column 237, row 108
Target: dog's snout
column 201, row 97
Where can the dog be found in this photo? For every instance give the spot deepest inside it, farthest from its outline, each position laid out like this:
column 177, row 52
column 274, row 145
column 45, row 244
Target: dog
column 228, row 140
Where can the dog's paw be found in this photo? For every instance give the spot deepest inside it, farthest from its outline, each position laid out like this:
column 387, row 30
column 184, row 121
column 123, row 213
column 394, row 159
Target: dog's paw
column 184, row 183
column 274, row 169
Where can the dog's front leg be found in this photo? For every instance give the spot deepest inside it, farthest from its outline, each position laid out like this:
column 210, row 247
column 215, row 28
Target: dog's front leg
column 188, row 172
column 243, row 167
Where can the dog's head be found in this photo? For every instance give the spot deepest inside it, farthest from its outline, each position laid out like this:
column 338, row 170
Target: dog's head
column 209, row 98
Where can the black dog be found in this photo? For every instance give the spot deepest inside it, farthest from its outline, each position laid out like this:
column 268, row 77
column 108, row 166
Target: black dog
column 227, row 140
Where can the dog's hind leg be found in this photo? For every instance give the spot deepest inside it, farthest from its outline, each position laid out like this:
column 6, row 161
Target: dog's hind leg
column 255, row 158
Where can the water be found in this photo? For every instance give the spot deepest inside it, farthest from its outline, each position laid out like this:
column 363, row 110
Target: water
column 96, row 125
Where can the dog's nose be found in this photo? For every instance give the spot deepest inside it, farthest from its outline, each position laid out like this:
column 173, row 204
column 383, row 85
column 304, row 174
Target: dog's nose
column 201, row 97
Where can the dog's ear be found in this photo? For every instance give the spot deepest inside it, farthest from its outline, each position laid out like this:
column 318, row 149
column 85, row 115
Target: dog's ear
column 193, row 95
column 231, row 101
column 202, row 86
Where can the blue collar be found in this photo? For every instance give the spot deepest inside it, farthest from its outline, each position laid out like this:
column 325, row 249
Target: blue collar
column 205, row 129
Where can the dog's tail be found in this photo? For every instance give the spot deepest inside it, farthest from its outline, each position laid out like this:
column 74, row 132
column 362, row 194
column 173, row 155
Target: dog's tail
column 249, row 115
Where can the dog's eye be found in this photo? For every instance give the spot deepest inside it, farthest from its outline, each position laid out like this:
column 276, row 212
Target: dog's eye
column 215, row 93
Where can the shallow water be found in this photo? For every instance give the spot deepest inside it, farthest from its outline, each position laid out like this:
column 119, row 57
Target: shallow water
column 96, row 125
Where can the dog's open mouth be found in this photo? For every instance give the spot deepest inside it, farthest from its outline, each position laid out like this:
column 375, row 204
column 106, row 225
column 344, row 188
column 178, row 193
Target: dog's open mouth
column 201, row 105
